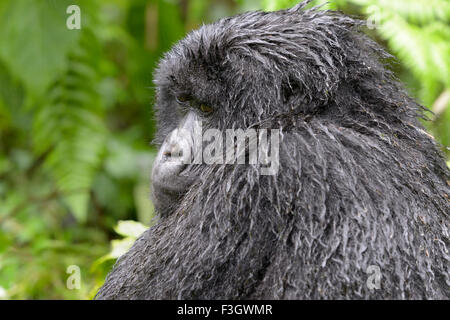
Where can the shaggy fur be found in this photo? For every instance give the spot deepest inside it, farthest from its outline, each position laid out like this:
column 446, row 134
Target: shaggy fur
column 360, row 182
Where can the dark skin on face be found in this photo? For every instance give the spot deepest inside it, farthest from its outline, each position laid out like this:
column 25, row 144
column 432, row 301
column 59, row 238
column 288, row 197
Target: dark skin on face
column 169, row 181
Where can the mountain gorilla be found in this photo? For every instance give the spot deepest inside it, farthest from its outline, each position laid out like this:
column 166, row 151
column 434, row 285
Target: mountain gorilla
column 359, row 206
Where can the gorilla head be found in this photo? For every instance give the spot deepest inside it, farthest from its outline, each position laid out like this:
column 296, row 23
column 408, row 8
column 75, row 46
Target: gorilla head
column 360, row 187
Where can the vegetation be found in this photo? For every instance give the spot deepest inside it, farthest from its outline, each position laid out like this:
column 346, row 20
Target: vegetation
column 76, row 120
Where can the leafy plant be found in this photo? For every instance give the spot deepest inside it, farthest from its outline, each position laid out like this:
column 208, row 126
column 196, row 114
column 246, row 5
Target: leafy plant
column 69, row 127
column 130, row 231
column 76, row 120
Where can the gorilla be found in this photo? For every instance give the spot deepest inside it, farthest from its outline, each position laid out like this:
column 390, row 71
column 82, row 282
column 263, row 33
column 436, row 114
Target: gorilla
column 358, row 206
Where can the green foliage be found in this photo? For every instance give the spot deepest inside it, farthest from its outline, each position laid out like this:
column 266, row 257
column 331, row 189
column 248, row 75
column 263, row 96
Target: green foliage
column 40, row 56
column 76, row 120
column 69, row 129
column 130, row 230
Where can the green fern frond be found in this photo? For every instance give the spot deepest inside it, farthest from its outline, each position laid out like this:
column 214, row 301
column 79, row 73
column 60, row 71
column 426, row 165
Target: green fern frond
column 406, row 41
column 424, row 50
column 71, row 126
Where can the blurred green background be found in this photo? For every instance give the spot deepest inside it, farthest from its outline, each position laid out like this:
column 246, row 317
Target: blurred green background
column 76, row 120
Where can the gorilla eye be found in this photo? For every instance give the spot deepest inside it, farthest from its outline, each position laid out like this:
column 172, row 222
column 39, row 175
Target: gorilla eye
column 182, row 98
column 205, row 108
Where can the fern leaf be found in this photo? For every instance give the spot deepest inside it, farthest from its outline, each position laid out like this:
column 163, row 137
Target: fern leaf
column 71, row 126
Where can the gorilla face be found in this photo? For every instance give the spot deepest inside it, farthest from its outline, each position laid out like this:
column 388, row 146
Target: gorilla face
column 232, row 74
column 169, row 175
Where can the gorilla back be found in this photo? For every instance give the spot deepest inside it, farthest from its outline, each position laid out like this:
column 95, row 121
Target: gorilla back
column 359, row 206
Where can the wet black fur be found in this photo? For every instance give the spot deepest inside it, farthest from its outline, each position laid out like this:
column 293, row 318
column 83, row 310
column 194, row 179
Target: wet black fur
column 360, row 182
